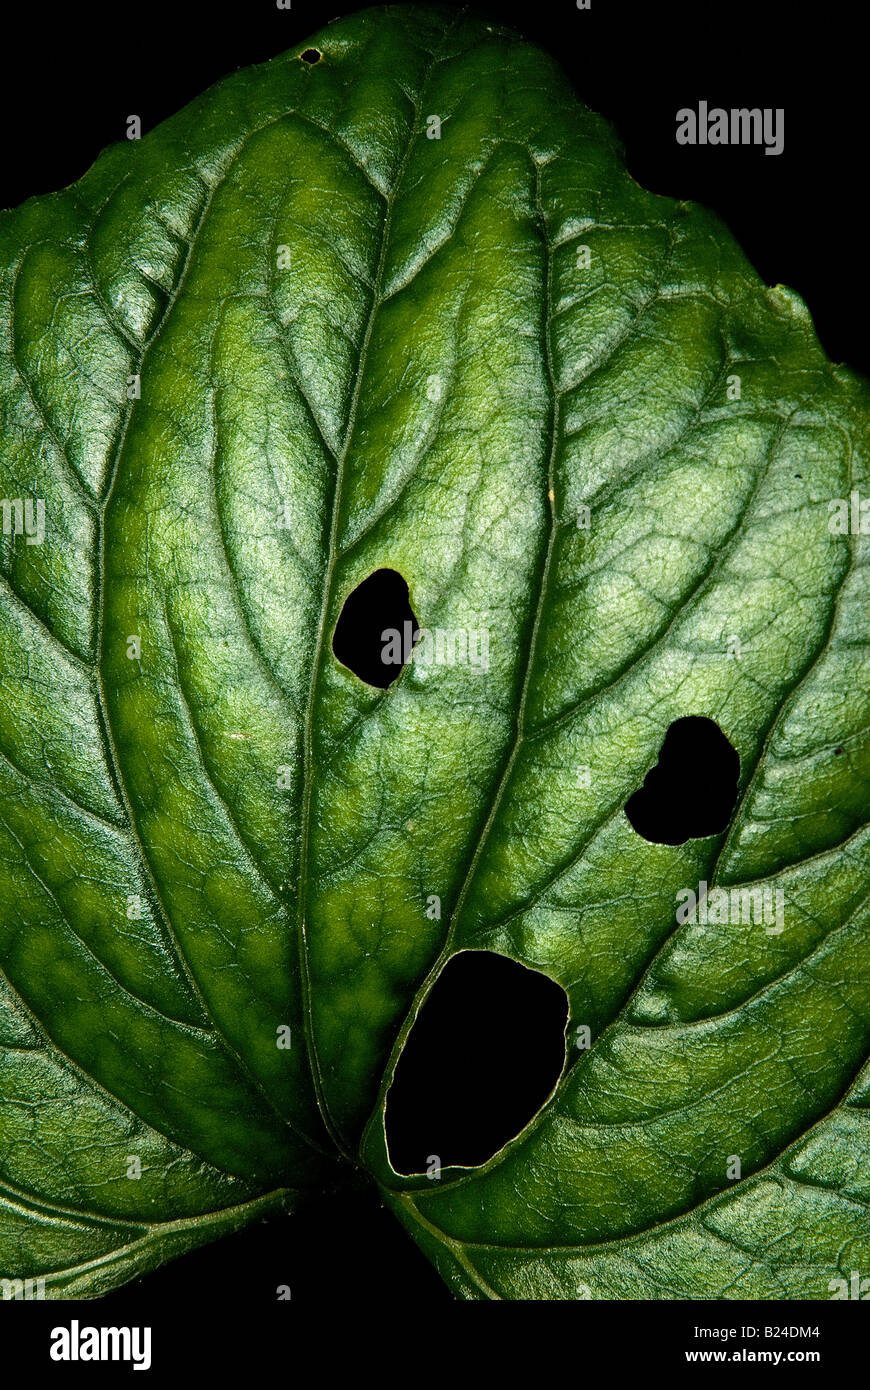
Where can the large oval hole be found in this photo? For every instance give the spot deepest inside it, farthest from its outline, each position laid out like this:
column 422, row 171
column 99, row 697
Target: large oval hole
column 376, row 629
column 484, row 1054
column 692, row 789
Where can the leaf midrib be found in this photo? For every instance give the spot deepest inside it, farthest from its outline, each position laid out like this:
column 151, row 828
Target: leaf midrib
column 332, row 561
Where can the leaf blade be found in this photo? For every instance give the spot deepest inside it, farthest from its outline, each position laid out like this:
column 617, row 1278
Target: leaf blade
column 440, row 384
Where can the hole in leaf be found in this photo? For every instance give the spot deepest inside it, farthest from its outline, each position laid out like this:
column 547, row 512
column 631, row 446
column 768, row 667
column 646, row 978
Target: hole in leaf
column 692, row 789
column 376, row 629
column 311, row 55
column 483, row 1055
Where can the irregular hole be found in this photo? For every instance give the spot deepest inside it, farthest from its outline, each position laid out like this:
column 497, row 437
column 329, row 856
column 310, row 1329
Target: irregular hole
column 311, row 55
column 376, row 629
column 692, row 789
column 483, row 1055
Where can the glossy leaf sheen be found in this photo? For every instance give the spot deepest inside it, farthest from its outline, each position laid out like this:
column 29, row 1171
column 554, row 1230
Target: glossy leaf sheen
column 286, row 266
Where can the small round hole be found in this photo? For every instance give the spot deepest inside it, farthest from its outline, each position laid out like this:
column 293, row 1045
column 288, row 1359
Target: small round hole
column 311, row 55
column 691, row 792
column 376, row 629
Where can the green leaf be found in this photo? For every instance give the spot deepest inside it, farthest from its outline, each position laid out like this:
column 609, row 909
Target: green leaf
column 284, row 340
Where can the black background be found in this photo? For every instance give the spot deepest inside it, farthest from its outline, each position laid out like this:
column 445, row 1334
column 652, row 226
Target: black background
column 73, row 74
column 69, row 77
